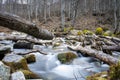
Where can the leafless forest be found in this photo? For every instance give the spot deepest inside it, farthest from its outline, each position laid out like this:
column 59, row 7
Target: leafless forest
column 106, row 11
column 60, row 39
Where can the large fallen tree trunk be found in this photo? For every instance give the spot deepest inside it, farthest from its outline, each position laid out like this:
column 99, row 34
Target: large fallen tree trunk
column 16, row 23
column 94, row 53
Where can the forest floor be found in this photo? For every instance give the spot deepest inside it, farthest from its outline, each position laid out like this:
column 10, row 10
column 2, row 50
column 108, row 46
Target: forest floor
column 84, row 22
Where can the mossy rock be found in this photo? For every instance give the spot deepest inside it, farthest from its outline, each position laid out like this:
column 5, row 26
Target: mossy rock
column 114, row 72
column 99, row 31
column 87, row 32
column 56, row 44
column 107, row 33
column 97, row 76
column 66, row 57
column 15, row 62
column 29, row 75
column 30, row 58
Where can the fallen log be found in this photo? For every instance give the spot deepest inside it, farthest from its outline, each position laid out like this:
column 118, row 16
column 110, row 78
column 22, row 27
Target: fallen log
column 111, row 48
column 114, row 39
column 94, row 53
column 29, row 39
column 16, row 23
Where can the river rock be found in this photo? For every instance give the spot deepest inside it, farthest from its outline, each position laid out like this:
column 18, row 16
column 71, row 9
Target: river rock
column 4, row 72
column 18, row 76
column 4, row 50
column 29, row 75
column 30, row 58
column 16, row 62
column 66, row 57
column 23, row 45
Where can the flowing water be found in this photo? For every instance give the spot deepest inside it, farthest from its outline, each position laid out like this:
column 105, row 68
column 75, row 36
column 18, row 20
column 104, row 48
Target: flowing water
column 50, row 68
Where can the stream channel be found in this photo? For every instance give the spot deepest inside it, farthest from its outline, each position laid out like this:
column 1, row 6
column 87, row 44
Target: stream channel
column 50, row 68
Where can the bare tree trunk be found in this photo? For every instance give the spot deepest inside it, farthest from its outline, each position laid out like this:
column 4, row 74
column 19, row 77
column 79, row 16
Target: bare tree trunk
column 28, row 10
column 115, row 16
column 74, row 9
column 49, row 10
column 62, row 14
column 36, row 10
column 69, row 12
column 45, row 10
column 16, row 23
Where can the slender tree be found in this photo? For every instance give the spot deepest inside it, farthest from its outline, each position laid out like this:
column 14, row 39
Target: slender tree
column 62, row 14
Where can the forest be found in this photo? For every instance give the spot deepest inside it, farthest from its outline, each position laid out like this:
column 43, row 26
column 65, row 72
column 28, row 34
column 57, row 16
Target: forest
column 59, row 39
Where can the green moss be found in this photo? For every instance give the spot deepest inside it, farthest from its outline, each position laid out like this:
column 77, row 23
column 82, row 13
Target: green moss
column 107, row 33
column 22, row 64
column 99, row 31
column 97, row 76
column 30, row 58
column 79, row 33
column 66, row 57
column 114, row 72
column 29, row 75
column 87, row 32
column 67, row 29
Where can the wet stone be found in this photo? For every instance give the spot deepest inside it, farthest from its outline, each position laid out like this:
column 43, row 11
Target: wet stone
column 16, row 62
column 18, row 76
column 4, row 72
column 12, row 58
column 23, row 45
column 4, row 50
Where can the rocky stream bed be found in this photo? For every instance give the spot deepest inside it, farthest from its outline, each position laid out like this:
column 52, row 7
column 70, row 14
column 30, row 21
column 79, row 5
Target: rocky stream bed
column 47, row 65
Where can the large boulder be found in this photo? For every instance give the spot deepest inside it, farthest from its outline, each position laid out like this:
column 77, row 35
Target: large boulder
column 18, row 76
column 66, row 57
column 16, row 62
column 30, row 58
column 4, row 72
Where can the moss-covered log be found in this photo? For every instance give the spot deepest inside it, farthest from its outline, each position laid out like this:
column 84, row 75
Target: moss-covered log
column 16, row 23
